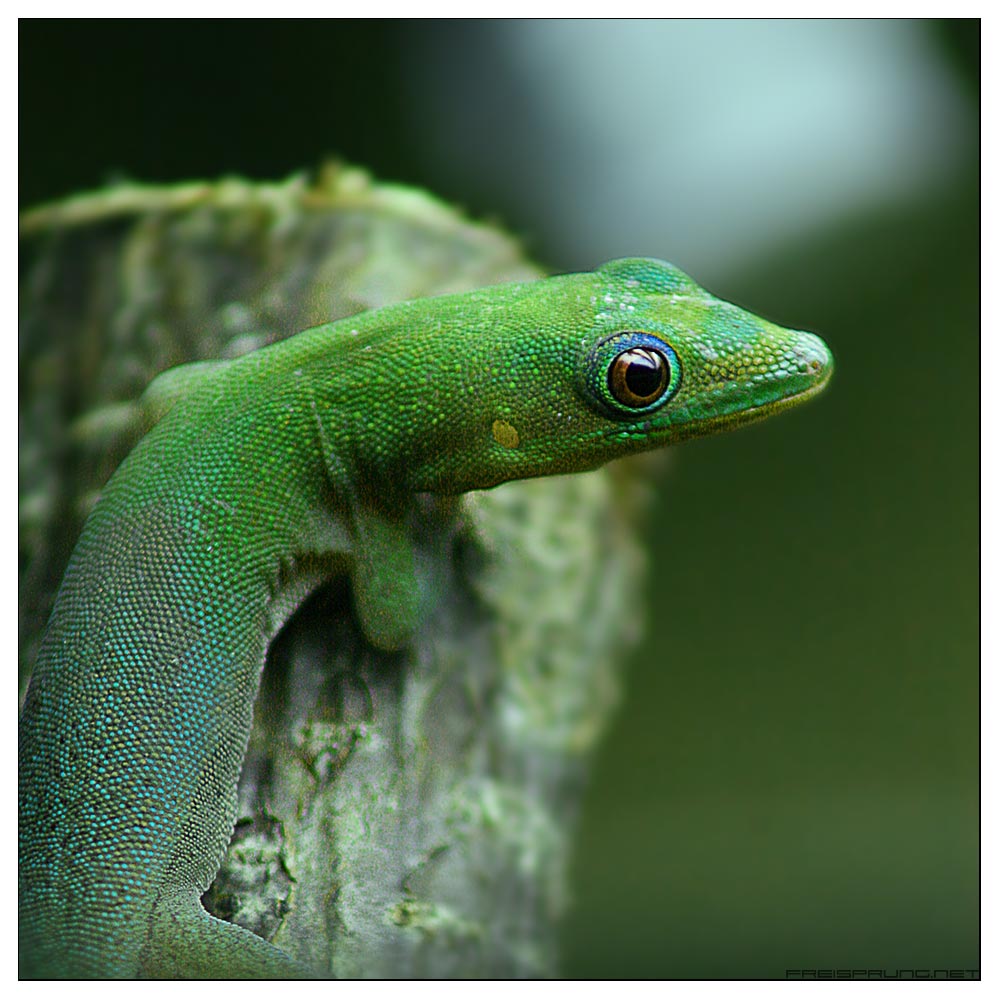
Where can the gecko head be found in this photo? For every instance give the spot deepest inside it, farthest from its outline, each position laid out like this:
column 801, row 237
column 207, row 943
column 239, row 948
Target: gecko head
column 591, row 367
column 668, row 361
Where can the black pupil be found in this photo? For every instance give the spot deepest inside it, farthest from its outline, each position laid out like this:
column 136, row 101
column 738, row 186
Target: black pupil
column 644, row 372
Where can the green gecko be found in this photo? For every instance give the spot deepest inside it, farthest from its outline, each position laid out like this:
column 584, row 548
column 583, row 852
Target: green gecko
column 263, row 476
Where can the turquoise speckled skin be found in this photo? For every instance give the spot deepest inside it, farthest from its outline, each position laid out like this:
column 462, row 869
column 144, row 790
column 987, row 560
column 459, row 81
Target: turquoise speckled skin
column 265, row 475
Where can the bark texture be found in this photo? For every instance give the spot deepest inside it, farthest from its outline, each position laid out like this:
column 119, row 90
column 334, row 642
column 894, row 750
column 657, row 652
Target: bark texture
column 401, row 816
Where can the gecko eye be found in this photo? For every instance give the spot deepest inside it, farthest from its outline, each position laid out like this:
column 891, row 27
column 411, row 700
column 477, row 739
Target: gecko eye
column 639, row 377
column 630, row 373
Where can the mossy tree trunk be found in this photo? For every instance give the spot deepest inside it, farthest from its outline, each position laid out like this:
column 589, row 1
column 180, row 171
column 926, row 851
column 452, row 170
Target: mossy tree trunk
column 401, row 816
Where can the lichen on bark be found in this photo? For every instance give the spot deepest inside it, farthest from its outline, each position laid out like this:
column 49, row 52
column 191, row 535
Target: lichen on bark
column 405, row 815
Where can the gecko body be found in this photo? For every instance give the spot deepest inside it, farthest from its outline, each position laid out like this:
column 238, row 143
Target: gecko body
column 261, row 477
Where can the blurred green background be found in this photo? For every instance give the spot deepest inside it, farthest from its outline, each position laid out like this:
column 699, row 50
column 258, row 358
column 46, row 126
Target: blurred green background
column 793, row 777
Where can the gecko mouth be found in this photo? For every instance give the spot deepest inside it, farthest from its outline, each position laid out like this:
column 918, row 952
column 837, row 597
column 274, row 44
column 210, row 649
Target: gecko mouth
column 824, row 374
column 768, row 409
column 820, row 370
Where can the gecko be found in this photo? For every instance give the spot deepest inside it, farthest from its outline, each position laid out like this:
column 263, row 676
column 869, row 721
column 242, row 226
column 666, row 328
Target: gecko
column 259, row 478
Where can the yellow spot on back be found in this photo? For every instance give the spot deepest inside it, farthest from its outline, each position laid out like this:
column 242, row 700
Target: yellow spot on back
column 505, row 435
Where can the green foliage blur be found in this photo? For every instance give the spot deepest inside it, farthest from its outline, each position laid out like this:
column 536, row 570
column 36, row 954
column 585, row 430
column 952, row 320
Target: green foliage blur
column 793, row 778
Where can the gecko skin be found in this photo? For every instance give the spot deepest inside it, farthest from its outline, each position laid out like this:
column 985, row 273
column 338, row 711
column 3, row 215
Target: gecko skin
column 261, row 477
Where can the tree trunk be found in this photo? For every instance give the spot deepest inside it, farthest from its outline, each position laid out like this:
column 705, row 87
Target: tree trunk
column 404, row 815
